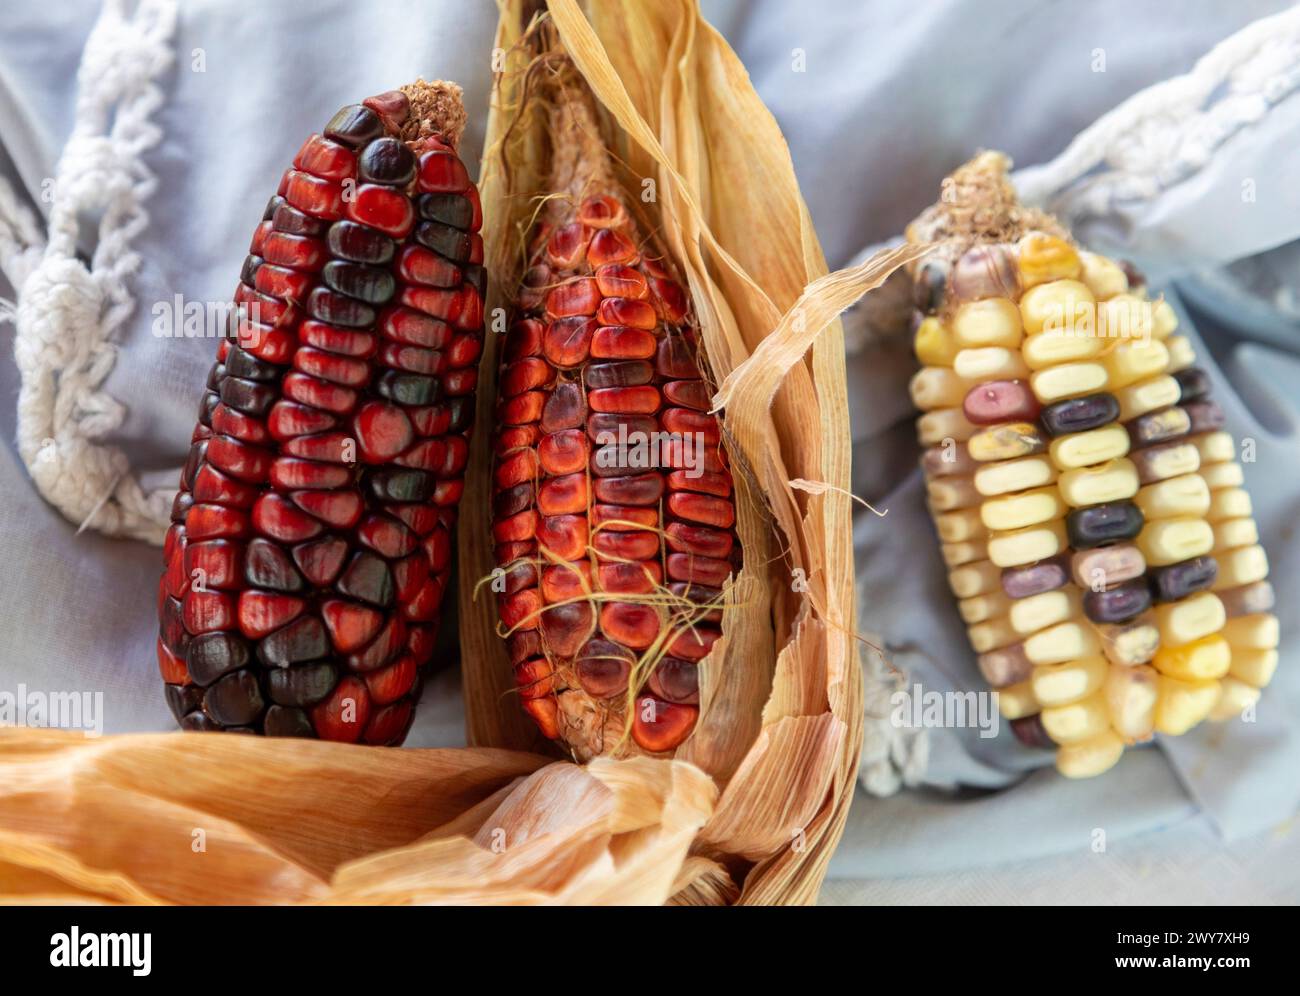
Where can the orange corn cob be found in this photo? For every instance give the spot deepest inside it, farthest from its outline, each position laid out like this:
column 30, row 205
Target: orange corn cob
column 613, row 515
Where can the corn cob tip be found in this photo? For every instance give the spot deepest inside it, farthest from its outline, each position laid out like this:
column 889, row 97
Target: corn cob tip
column 436, row 108
column 978, row 204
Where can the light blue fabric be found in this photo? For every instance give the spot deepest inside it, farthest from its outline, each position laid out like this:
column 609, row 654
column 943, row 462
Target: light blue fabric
column 895, row 94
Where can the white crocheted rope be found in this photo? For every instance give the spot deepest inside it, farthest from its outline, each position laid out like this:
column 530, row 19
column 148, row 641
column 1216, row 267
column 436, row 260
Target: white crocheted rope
column 1167, row 132
column 67, row 314
column 1153, row 140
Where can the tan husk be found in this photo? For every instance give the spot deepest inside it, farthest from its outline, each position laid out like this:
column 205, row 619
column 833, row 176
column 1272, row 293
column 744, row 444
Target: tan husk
column 752, row 806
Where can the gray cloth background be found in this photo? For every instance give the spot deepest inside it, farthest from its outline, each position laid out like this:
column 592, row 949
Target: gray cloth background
column 894, row 96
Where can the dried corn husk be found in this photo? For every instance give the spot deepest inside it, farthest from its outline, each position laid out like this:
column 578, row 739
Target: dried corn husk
column 752, row 806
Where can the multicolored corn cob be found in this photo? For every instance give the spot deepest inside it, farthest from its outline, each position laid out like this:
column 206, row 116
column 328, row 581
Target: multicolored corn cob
column 1069, row 440
column 311, row 537
column 613, row 513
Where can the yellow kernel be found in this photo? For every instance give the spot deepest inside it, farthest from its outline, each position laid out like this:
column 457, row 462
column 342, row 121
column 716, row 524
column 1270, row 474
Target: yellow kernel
column 1183, row 704
column 1229, row 534
column 1178, row 496
column 1235, row 697
column 1062, row 642
column 1258, row 631
column 1173, row 540
column 1190, row 619
column 994, row 321
column 978, row 578
column 990, row 363
column 1076, row 721
column 982, row 608
column 1091, row 757
column 1104, row 277
column 937, row 387
column 1200, row 660
column 1254, row 667
column 1016, row 701
column 1113, row 481
column 1026, row 509
column 1069, row 681
column 1067, row 381
column 1131, row 701
column 1215, row 447
column 1135, row 360
column 1125, row 317
column 1241, row 566
column 1042, row 257
column 1062, row 308
column 1047, row 608
column 934, row 427
column 1024, row 546
column 1014, row 475
column 1084, row 449
column 1229, row 503
column 934, row 343
column 1147, row 396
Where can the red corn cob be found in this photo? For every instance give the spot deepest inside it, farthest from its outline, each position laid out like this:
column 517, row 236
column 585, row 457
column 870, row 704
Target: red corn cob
column 311, row 536
column 611, row 566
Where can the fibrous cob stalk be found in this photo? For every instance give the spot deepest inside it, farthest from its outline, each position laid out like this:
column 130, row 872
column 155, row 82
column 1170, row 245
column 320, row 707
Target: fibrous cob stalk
column 613, row 511
column 1067, row 427
column 311, row 536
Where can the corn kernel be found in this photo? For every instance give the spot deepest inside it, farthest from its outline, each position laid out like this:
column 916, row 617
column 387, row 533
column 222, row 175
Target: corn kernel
column 1006, row 442
column 1069, row 681
column 1084, row 449
column 1229, row 503
column 1104, row 277
column 1067, row 381
column 1215, row 447
column 934, row 427
column 1178, row 496
column 1043, row 257
column 1089, row 758
column 1235, row 697
column 994, row 321
column 1175, row 540
column 1222, row 475
column 1254, row 667
column 1200, row 660
column 937, row 387
column 990, row 363
column 960, row 526
column 1229, row 534
column 1047, row 608
column 1134, row 360
column 1181, row 353
column 991, row 634
column 982, row 608
column 1148, row 396
column 1076, row 721
column 1024, row 546
column 1061, row 309
column 1131, row 694
column 1062, row 642
column 1258, row 631
column 1125, row 317
column 1163, row 319
column 1182, row 622
column 1016, row 701
column 934, row 343
column 1241, row 566
column 1183, row 704
column 1014, row 475
column 978, row 578
column 1027, row 509
column 1041, row 351
column 1111, row 481
column 956, row 554
column 947, row 494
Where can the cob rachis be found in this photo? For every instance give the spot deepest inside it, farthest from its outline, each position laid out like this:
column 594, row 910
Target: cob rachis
column 613, row 516
column 311, row 536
